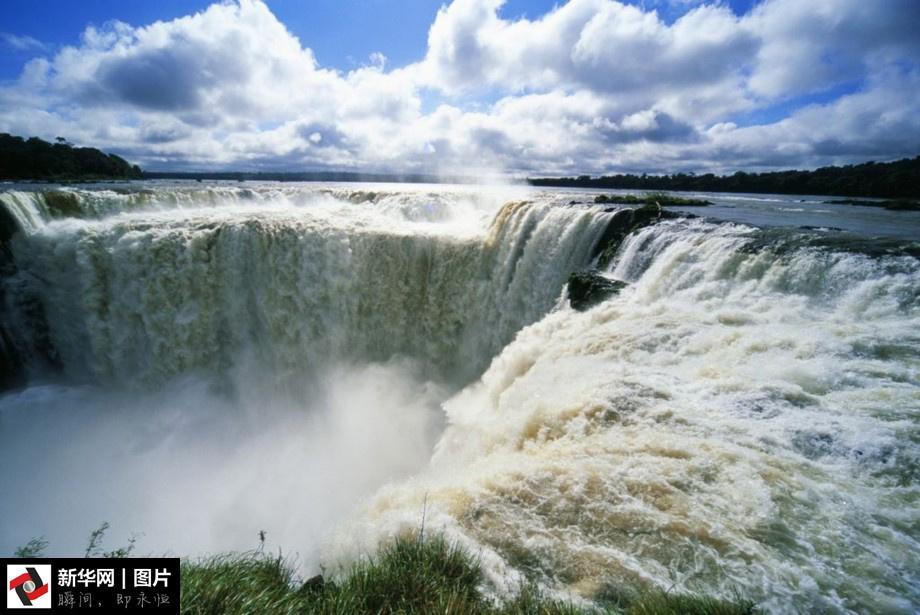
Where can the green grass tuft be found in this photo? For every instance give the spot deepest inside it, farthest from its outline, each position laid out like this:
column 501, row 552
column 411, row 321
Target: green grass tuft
column 410, row 576
column 239, row 583
column 415, row 576
column 34, row 548
column 660, row 603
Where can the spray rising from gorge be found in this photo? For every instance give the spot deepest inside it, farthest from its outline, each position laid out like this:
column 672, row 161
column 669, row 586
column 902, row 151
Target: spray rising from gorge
column 327, row 362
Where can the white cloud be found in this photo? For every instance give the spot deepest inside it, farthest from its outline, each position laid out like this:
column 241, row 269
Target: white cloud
column 880, row 122
column 810, row 46
column 593, row 86
column 21, row 42
column 630, row 55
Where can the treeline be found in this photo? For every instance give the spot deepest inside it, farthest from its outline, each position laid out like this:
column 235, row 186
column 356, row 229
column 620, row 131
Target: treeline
column 898, row 179
column 34, row 158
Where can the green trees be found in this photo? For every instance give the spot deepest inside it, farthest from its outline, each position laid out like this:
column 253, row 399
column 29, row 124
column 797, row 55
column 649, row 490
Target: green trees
column 34, row 158
column 900, row 179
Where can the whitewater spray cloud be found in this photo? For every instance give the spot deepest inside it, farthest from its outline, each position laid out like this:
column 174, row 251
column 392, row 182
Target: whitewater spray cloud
column 196, row 471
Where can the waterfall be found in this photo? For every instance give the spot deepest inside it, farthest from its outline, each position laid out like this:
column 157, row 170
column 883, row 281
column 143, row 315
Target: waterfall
column 333, row 362
column 134, row 288
column 742, row 415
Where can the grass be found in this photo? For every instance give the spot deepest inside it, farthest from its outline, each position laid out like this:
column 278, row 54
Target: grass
column 660, row 603
column 411, row 575
column 34, row 548
column 650, row 198
column 408, row 576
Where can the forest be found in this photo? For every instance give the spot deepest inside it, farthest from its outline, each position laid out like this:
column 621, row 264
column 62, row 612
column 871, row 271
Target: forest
column 900, row 179
column 36, row 159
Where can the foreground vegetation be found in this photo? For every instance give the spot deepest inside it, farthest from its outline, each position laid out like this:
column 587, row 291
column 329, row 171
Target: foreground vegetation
column 412, row 575
column 897, row 179
column 37, row 159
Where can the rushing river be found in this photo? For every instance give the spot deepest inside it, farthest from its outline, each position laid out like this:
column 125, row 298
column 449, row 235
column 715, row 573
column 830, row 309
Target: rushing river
column 334, row 363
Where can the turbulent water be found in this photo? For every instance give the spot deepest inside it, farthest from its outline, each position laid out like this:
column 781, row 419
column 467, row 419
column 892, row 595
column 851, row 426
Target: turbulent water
column 332, row 364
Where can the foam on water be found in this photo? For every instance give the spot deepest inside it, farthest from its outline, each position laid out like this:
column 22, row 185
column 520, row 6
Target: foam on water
column 293, row 280
column 736, row 419
column 743, row 416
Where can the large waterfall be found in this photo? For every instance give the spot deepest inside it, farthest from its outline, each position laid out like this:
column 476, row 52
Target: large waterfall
column 336, row 363
column 143, row 287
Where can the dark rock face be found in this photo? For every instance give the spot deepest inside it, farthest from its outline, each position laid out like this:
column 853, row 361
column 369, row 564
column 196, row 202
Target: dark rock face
column 11, row 372
column 25, row 341
column 316, row 584
column 8, row 227
column 62, row 204
column 588, row 288
column 659, row 199
column 12, row 375
column 624, row 222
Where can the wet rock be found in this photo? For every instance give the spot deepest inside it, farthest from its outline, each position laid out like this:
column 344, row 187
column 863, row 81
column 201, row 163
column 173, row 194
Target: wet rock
column 8, row 226
column 362, row 196
column 809, row 227
column 588, row 288
column 25, row 338
column 652, row 198
column 624, row 222
column 12, row 372
column 62, row 204
column 814, row 445
column 314, row 585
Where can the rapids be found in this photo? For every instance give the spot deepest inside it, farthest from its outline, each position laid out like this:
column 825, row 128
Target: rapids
column 332, row 364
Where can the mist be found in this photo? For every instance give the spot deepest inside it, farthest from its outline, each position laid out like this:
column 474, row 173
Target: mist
column 191, row 469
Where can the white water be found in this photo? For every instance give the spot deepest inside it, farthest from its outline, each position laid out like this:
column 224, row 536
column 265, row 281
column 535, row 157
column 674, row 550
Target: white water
column 290, row 281
column 744, row 416
column 731, row 422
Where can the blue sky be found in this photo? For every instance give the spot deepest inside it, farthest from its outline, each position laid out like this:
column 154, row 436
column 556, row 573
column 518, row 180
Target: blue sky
column 515, row 86
column 339, row 32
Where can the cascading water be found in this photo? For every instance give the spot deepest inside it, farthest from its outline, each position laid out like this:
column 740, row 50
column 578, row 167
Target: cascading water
column 147, row 295
column 743, row 416
column 182, row 332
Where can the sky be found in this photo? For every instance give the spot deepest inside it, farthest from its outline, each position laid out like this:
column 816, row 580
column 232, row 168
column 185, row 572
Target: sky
column 470, row 86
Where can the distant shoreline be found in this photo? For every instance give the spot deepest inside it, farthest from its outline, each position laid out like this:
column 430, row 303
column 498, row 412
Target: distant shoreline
column 893, row 180
column 33, row 159
column 887, row 180
column 898, row 203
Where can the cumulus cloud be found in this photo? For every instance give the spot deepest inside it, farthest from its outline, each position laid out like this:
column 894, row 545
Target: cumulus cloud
column 880, row 122
column 21, row 42
column 809, row 46
column 591, row 86
column 595, row 44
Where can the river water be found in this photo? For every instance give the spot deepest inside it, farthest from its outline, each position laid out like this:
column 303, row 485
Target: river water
column 332, row 363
